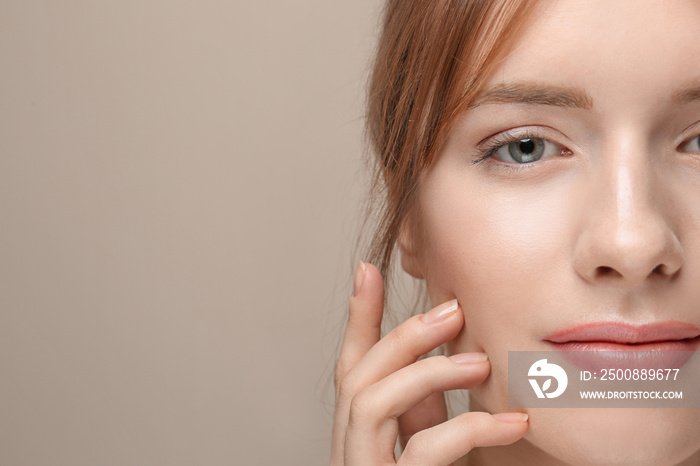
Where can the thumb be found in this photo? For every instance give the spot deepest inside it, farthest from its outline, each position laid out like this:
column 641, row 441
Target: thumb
column 428, row 413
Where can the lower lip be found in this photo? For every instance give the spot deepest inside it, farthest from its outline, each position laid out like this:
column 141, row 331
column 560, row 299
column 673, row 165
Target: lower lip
column 597, row 355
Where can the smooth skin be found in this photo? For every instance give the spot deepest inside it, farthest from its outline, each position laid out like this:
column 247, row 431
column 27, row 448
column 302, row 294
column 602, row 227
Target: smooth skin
column 382, row 390
column 605, row 226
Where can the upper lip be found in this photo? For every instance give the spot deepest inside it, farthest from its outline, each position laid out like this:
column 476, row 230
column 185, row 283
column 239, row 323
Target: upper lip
column 622, row 332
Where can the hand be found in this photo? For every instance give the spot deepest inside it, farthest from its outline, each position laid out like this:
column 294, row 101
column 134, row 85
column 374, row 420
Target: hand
column 383, row 392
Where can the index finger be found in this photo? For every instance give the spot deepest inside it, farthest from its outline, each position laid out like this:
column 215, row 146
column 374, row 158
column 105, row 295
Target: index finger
column 364, row 321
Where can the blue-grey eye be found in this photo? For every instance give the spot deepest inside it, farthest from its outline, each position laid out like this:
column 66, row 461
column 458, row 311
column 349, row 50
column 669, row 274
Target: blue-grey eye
column 527, row 150
column 692, row 145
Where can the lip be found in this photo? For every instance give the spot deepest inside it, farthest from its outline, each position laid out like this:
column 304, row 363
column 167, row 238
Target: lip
column 597, row 345
column 626, row 333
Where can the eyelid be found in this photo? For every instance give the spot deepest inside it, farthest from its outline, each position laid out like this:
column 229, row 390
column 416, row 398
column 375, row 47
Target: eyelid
column 488, row 146
column 687, row 139
column 686, row 134
column 681, row 147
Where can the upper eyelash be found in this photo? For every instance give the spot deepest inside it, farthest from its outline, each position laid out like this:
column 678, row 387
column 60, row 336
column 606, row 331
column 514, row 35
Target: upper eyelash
column 487, row 149
column 502, row 139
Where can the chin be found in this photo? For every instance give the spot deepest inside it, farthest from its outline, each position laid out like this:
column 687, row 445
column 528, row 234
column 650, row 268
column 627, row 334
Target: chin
column 616, row 437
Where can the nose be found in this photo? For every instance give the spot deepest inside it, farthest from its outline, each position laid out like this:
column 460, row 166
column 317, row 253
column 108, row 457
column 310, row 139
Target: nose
column 627, row 236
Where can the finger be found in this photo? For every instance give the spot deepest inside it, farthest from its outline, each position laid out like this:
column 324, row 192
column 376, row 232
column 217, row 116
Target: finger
column 372, row 424
column 399, row 348
column 364, row 321
column 362, row 332
column 402, row 346
column 427, row 413
column 448, row 442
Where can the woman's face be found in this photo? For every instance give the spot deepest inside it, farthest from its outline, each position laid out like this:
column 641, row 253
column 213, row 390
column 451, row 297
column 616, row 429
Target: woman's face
column 603, row 226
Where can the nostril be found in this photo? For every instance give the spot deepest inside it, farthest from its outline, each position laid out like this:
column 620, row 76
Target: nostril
column 608, row 272
column 605, row 271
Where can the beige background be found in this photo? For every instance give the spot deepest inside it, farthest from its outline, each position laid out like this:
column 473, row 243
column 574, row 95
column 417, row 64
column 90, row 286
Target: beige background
column 179, row 189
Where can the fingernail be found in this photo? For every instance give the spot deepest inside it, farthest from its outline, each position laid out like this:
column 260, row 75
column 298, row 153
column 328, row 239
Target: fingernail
column 359, row 277
column 469, row 358
column 511, row 417
column 441, row 312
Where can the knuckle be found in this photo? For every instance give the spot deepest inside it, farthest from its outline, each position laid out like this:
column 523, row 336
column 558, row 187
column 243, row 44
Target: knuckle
column 363, row 405
column 417, row 449
column 341, row 369
column 404, row 336
column 435, row 365
column 471, row 424
column 346, row 388
column 478, row 419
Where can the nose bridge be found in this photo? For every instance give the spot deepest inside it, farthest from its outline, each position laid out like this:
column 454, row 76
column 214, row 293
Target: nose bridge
column 632, row 217
column 628, row 237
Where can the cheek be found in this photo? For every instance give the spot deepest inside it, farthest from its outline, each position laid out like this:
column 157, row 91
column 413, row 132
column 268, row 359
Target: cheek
column 502, row 252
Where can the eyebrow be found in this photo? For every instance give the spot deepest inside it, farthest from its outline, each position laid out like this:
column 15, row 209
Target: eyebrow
column 688, row 93
column 536, row 94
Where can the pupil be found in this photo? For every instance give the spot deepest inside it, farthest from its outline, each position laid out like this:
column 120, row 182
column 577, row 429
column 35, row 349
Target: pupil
column 527, row 150
column 527, row 146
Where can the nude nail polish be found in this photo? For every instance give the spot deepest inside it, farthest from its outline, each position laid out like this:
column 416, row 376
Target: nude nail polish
column 359, row 277
column 441, row 312
column 511, row 417
column 469, row 358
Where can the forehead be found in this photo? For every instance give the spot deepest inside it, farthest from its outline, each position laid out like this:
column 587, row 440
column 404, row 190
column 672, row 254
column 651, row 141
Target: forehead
column 621, row 52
